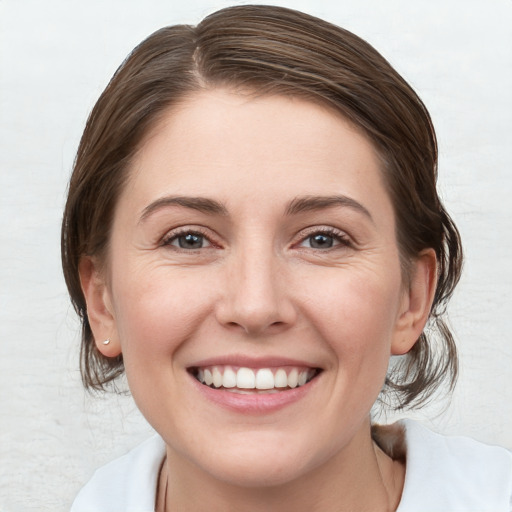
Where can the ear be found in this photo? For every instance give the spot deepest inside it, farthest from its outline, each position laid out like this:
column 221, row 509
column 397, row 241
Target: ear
column 99, row 308
column 416, row 303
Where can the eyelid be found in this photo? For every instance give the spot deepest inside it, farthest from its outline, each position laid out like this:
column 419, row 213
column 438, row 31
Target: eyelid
column 175, row 241
column 174, row 233
column 342, row 237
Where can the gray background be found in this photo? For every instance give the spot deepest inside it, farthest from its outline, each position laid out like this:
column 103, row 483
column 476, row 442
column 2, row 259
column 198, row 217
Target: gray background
column 55, row 58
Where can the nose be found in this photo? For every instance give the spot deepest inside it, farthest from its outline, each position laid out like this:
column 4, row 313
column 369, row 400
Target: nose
column 256, row 298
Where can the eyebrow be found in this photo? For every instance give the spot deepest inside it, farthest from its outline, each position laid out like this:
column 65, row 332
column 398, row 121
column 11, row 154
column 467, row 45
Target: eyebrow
column 312, row 203
column 296, row 206
column 201, row 204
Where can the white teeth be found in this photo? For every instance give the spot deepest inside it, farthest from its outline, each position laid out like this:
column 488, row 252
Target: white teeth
column 245, row 378
column 264, row 379
column 280, row 379
column 208, row 377
column 252, row 391
column 293, row 378
column 217, row 377
column 229, row 378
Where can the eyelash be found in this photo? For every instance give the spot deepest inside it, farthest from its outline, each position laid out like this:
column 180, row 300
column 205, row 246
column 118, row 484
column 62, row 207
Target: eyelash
column 339, row 238
column 176, row 234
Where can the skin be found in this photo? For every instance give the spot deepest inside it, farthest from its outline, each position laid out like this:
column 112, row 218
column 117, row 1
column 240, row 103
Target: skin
column 260, row 287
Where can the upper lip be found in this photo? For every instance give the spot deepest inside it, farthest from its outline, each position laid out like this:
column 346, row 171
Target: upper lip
column 252, row 362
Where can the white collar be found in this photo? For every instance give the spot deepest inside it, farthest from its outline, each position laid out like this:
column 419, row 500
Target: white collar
column 455, row 474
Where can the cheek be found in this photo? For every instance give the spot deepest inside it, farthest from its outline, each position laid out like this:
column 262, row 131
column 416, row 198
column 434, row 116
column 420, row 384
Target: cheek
column 154, row 315
column 356, row 314
column 359, row 329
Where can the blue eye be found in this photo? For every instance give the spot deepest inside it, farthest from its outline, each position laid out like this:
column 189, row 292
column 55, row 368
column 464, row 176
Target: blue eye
column 325, row 239
column 321, row 241
column 189, row 240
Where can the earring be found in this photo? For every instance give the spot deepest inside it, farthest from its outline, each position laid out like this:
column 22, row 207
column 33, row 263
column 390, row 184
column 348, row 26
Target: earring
column 107, row 341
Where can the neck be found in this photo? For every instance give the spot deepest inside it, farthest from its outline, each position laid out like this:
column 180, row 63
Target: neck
column 359, row 478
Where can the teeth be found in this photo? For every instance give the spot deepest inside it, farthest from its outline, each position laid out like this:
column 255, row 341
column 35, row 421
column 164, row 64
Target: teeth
column 264, row 379
column 208, row 377
column 229, row 379
column 217, row 377
column 280, row 379
column 293, row 378
column 243, row 380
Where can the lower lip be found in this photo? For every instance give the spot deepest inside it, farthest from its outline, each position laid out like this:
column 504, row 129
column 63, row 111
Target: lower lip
column 257, row 403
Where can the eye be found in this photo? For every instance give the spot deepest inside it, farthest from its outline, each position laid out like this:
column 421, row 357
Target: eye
column 188, row 240
column 320, row 241
column 325, row 239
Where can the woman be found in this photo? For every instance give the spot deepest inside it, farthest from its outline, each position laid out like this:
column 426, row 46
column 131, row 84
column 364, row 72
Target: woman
column 252, row 230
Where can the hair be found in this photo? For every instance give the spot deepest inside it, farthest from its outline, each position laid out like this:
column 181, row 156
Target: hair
column 269, row 50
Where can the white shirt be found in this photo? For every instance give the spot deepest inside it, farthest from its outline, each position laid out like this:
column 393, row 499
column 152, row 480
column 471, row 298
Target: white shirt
column 443, row 474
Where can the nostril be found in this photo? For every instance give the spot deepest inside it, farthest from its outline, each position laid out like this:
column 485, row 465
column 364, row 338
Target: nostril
column 256, row 328
column 255, row 307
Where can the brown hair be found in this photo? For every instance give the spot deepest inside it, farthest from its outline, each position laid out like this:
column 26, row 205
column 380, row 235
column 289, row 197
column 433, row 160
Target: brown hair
column 269, row 50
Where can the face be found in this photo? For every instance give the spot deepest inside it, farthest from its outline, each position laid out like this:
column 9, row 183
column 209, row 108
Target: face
column 254, row 285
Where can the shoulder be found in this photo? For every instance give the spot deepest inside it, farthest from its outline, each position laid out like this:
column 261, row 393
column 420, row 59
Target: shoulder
column 454, row 473
column 126, row 484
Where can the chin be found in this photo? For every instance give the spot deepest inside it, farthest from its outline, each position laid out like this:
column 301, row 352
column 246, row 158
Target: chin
column 257, row 471
column 258, row 459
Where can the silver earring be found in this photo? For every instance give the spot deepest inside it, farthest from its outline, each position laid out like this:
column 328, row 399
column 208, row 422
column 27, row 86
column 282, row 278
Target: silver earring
column 106, row 342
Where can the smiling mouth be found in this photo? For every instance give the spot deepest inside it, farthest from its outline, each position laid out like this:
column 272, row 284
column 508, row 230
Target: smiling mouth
column 245, row 380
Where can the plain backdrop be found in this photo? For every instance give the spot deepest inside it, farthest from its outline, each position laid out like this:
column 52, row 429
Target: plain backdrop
column 56, row 56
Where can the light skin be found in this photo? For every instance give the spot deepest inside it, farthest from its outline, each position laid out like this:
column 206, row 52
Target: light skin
column 291, row 253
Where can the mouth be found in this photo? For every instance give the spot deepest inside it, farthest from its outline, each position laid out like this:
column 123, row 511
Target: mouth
column 244, row 380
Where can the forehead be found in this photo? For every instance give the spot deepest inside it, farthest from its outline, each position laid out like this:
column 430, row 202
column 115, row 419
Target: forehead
column 237, row 146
